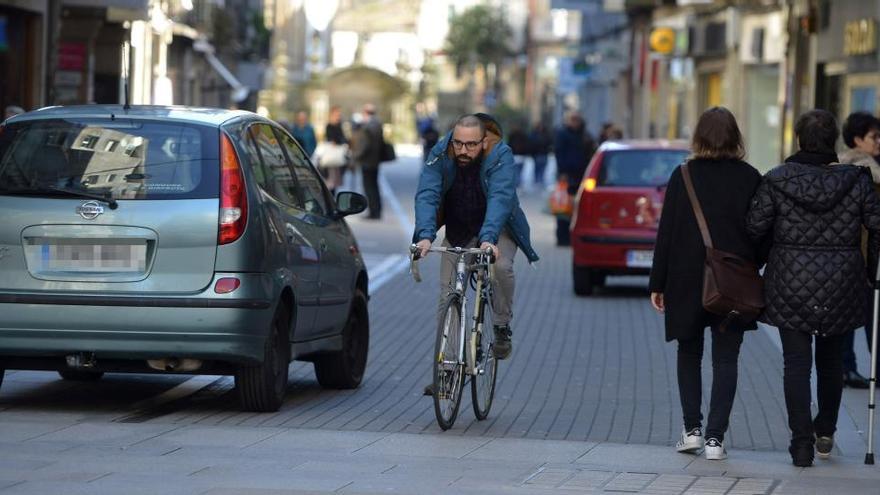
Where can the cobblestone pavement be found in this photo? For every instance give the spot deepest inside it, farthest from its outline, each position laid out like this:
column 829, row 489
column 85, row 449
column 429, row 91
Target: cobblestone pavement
column 591, row 379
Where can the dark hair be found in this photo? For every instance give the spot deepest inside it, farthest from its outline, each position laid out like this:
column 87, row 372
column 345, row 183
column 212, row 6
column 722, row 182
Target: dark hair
column 857, row 125
column 817, row 131
column 717, row 136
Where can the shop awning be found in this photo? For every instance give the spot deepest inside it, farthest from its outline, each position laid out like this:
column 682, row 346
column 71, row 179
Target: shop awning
column 239, row 91
column 117, row 10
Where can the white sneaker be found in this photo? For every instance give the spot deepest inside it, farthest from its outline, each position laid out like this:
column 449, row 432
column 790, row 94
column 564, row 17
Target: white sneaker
column 690, row 442
column 715, row 450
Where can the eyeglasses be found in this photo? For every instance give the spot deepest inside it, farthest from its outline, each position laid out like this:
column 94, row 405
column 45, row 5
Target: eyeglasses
column 468, row 145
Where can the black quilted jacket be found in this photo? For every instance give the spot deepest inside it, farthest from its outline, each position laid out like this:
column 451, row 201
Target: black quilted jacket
column 815, row 276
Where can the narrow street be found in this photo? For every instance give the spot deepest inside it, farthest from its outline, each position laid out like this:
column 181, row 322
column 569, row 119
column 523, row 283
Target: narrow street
column 584, row 372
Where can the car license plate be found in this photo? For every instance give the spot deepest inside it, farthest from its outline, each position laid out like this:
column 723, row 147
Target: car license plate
column 639, row 258
column 94, row 257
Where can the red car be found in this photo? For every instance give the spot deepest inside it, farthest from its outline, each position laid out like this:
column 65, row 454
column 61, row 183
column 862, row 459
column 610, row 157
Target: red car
column 617, row 209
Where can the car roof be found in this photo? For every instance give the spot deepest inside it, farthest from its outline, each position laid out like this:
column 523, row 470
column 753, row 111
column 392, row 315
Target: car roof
column 209, row 116
column 645, row 144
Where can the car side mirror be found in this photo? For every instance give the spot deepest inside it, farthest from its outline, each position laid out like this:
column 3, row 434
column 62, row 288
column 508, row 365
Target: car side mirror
column 350, row 203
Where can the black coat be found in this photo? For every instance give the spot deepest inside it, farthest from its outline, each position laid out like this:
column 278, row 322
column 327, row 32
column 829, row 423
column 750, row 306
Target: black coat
column 725, row 189
column 815, row 280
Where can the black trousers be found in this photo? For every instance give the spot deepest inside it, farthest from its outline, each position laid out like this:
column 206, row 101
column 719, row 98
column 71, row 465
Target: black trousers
column 725, row 357
column 797, row 352
column 849, row 353
column 371, row 190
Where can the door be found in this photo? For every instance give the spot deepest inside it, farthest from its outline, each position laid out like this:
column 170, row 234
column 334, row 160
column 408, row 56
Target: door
column 128, row 206
column 301, row 238
column 337, row 259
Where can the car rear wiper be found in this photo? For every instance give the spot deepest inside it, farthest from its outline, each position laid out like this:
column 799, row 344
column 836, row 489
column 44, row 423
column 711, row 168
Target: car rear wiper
column 79, row 193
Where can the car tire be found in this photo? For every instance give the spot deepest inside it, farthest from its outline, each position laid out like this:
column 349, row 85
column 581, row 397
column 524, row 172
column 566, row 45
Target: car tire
column 598, row 278
column 582, row 280
column 81, row 375
column 345, row 369
column 262, row 388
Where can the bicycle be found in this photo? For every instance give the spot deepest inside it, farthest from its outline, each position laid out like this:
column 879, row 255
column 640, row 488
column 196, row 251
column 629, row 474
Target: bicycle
column 453, row 360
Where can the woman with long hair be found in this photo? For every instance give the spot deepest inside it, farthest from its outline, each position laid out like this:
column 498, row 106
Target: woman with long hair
column 724, row 185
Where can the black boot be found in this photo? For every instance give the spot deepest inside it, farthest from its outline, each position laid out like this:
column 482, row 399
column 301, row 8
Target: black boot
column 853, row 379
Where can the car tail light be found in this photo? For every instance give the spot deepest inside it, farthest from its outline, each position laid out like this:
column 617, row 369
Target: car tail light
column 226, row 285
column 589, row 184
column 233, row 196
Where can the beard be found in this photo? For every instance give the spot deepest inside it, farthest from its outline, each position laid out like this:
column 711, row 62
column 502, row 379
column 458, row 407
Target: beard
column 466, row 161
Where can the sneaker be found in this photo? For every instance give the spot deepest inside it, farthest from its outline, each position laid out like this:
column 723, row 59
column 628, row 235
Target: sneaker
column 801, row 455
column 429, row 390
column 690, row 442
column 824, row 445
column 715, row 450
column 503, row 346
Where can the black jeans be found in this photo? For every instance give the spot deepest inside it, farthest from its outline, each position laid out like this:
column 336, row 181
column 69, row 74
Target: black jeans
column 725, row 357
column 371, row 191
column 797, row 352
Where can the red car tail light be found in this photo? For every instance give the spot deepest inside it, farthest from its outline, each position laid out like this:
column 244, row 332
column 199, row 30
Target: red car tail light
column 233, row 196
column 226, row 285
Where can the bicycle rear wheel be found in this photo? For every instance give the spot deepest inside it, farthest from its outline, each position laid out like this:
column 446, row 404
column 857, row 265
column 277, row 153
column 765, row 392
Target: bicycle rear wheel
column 448, row 365
column 483, row 383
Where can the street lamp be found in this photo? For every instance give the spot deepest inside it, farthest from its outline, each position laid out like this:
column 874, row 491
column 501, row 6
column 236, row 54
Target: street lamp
column 319, row 13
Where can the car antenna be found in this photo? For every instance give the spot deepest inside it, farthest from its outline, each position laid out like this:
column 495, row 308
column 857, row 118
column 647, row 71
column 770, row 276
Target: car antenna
column 126, row 49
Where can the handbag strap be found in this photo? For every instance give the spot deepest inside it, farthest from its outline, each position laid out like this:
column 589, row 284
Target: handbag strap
column 695, row 203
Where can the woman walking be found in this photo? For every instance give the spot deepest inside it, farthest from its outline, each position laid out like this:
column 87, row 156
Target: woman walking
column 724, row 185
column 333, row 154
column 813, row 209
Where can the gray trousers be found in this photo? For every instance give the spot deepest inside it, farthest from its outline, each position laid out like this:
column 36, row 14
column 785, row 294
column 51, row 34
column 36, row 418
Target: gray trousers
column 503, row 284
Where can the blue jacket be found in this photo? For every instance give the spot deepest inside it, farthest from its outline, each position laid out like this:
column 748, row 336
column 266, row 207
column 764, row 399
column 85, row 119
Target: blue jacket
column 498, row 178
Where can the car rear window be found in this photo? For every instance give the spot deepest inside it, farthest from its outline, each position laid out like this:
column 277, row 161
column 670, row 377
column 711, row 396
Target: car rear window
column 119, row 159
column 639, row 168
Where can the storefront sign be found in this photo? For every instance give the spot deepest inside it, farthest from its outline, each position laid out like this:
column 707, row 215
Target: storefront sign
column 4, row 42
column 860, row 37
column 663, row 40
column 71, row 56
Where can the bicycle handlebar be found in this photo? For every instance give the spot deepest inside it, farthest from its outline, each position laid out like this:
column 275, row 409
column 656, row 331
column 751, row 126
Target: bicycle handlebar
column 415, row 255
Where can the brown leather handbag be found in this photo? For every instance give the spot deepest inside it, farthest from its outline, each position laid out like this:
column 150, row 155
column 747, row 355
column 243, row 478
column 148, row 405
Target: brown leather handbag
column 732, row 286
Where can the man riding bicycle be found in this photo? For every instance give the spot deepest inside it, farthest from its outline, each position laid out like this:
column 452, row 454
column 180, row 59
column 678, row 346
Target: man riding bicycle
column 468, row 183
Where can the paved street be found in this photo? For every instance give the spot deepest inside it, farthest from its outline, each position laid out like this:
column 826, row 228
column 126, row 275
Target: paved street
column 587, row 403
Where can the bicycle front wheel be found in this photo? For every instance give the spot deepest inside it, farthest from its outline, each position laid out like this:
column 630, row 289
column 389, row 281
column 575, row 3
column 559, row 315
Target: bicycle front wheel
column 448, row 364
column 483, row 383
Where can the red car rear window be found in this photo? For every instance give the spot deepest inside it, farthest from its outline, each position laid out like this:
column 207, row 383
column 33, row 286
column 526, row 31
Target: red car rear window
column 639, row 168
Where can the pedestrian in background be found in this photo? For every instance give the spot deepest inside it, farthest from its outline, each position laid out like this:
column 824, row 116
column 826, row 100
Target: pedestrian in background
column 573, row 147
column 367, row 153
column 332, row 154
column 861, row 134
column 540, row 143
column 518, row 141
column 813, row 209
column 724, row 185
column 304, row 133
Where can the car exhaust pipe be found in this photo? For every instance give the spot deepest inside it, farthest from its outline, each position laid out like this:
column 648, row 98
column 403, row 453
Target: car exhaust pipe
column 175, row 364
column 81, row 360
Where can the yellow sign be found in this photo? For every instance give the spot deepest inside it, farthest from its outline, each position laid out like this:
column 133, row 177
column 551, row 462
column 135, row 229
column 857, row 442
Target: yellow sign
column 663, row 40
column 860, row 37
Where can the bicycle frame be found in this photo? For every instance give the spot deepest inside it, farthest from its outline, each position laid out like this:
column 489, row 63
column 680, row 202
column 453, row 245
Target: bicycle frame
column 459, row 285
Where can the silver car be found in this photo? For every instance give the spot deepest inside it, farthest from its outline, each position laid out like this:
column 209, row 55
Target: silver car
column 174, row 239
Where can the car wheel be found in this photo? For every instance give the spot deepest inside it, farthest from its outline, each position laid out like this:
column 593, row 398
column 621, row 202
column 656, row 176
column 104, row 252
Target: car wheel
column 345, row 369
column 582, row 280
column 81, row 375
column 261, row 388
column 598, row 279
